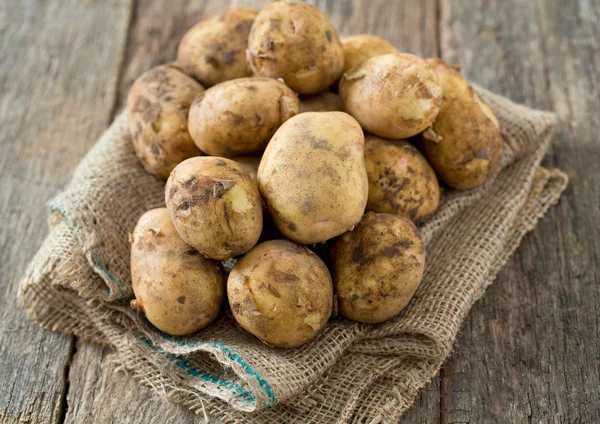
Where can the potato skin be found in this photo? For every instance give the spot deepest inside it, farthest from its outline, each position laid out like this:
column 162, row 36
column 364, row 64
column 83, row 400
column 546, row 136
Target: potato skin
column 469, row 148
column 214, row 50
column 313, row 177
column 377, row 267
column 240, row 116
column 297, row 42
column 324, row 102
column 401, row 181
column 361, row 47
column 158, row 104
column 179, row 290
column 215, row 206
column 281, row 292
column 395, row 95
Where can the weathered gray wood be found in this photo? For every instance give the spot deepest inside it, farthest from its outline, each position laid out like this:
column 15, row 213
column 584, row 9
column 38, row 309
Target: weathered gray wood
column 57, row 67
column 529, row 349
column 154, row 34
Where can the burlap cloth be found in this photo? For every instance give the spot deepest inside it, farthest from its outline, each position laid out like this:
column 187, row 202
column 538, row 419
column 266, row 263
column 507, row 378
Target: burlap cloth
column 79, row 283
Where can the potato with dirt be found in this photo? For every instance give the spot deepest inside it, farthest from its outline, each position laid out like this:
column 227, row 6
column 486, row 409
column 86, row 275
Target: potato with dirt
column 465, row 143
column 215, row 206
column 361, row 47
column 178, row 290
column 158, row 105
column 214, row 50
column 240, row 116
column 324, row 102
column 281, row 292
column 395, row 95
column 401, row 181
column 313, row 178
column 377, row 267
column 296, row 42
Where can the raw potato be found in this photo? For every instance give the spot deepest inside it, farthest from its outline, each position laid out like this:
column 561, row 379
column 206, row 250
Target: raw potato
column 466, row 144
column 377, row 267
column 400, row 179
column 313, row 176
column 394, row 95
column 324, row 102
column 215, row 206
column 214, row 50
column 240, row 116
column 158, row 105
column 281, row 292
column 178, row 289
column 296, row 42
column 361, row 47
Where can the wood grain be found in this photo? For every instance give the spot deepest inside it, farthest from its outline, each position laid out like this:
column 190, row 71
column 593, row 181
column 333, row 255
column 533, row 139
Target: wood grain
column 57, row 79
column 528, row 351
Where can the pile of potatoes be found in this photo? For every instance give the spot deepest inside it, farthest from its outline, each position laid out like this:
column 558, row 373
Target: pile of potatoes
column 265, row 163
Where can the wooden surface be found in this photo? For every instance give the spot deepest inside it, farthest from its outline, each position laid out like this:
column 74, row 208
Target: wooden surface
column 529, row 350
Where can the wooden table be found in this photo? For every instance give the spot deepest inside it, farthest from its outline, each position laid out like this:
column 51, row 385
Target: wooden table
column 529, row 350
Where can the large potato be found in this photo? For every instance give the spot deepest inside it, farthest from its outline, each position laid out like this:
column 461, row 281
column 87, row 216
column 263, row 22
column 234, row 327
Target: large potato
column 324, row 102
column 158, row 105
column 361, row 47
column 240, row 116
column 466, row 145
column 214, row 50
column 178, row 289
column 377, row 267
column 313, row 176
column 215, row 206
column 400, row 179
column 394, row 95
column 296, row 42
column 281, row 292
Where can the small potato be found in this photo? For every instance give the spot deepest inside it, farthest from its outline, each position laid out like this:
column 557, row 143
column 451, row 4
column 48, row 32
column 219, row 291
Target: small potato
column 214, row 50
column 158, row 105
column 324, row 102
column 215, row 206
column 281, row 292
column 296, row 42
column 313, row 177
column 377, row 267
column 400, row 179
column 240, row 116
column 465, row 144
column 361, row 47
column 179, row 290
column 394, row 95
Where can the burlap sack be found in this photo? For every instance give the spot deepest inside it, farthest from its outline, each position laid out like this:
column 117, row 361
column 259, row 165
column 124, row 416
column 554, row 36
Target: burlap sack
column 79, row 283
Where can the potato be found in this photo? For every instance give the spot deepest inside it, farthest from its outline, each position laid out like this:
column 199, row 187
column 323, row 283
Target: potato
column 400, row 179
column 179, row 290
column 249, row 163
column 361, row 47
column 158, row 105
column 215, row 206
column 313, row 177
column 214, row 50
column 466, row 144
column 394, row 95
column 281, row 292
column 240, row 116
column 324, row 102
column 296, row 42
column 377, row 267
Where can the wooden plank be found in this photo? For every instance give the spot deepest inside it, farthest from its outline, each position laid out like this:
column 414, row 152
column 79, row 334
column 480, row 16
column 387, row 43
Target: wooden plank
column 529, row 349
column 58, row 58
column 156, row 29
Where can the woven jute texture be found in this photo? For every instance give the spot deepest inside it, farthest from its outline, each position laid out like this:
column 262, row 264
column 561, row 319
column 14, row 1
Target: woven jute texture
column 79, row 282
